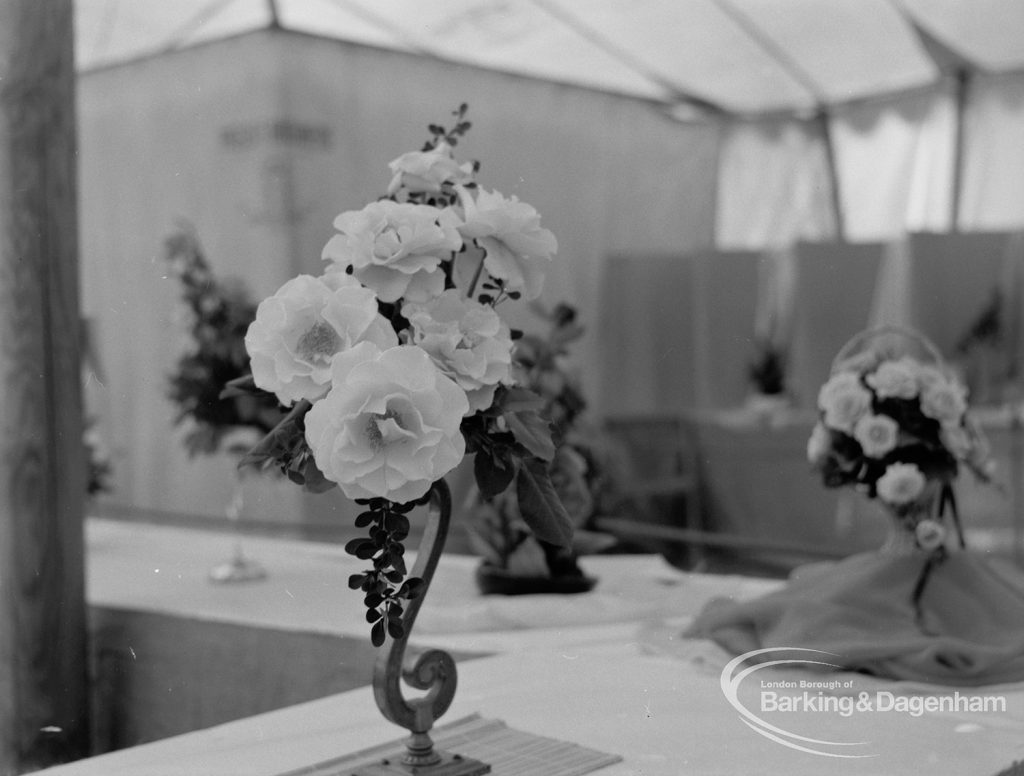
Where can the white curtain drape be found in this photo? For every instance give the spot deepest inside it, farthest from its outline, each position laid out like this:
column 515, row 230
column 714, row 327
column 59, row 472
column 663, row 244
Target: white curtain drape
column 993, row 185
column 773, row 186
column 895, row 165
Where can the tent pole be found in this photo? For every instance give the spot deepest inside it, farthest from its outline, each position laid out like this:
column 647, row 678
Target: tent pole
column 963, row 79
column 275, row 15
column 825, row 127
column 44, row 698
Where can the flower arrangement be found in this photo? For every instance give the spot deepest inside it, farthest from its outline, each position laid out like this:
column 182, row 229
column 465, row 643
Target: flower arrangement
column 582, row 478
column 219, row 315
column 897, row 428
column 394, row 363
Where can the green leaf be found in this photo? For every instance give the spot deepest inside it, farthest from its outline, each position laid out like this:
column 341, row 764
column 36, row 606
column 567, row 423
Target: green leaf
column 314, row 480
column 533, row 432
column 540, row 506
column 493, row 475
column 240, row 386
column 281, row 438
column 519, row 399
column 377, row 632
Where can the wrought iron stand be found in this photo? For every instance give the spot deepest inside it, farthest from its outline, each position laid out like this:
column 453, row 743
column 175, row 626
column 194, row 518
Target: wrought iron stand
column 432, row 671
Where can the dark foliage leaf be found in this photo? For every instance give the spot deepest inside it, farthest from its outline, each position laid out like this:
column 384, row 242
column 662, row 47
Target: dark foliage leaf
column 519, row 399
column 493, row 476
column 533, row 432
column 540, row 506
column 377, row 633
column 412, row 588
column 395, row 628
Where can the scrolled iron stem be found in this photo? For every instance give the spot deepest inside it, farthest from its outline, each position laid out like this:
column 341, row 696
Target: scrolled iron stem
column 432, row 670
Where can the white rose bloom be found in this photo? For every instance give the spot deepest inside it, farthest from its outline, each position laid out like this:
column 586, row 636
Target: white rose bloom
column 901, row 483
column 389, row 427
column 467, row 340
column 818, row 444
column 894, row 379
column 860, row 362
column 877, row 434
column 930, row 534
column 843, row 400
column 395, row 248
column 946, row 401
column 425, row 171
column 298, row 331
column 518, row 248
column 957, row 440
column 928, row 375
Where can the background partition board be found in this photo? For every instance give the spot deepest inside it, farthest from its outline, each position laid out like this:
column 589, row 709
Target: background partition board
column 953, row 278
column 834, row 287
column 647, row 352
column 724, row 302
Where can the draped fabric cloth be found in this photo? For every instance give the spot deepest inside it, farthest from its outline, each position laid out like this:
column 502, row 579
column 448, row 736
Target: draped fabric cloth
column 860, row 609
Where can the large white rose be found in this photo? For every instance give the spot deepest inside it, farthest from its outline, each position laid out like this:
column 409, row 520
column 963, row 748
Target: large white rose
column 425, row 171
column 395, row 248
column 877, row 434
column 467, row 340
column 895, row 379
column 843, row 400
column 518, row 248
column 946, row 401
column 900, row 484
column 389, row 427
column 298, row 331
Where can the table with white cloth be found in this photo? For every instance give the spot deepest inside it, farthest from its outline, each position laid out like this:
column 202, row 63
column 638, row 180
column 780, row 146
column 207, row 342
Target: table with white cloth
column 606, row 669
column 174, row 652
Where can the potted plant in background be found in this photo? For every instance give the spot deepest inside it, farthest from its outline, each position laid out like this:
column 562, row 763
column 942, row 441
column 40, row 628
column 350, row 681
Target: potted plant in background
column 767, row 374
column 514, row 561
column 219, row 314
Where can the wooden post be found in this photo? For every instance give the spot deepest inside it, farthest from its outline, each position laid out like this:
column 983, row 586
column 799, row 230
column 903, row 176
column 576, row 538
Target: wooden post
column 43, row 664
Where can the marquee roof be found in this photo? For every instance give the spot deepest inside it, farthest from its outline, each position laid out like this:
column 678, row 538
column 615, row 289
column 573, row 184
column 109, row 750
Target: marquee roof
column 736, row 56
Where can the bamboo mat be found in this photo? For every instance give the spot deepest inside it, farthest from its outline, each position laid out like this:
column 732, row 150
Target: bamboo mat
column 509, row 752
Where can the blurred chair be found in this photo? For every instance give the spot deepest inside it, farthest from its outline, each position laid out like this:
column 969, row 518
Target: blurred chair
column 661, row 508
column 657, row 466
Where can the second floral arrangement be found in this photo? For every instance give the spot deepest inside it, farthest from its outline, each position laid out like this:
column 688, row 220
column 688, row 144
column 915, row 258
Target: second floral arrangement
column 896, row 427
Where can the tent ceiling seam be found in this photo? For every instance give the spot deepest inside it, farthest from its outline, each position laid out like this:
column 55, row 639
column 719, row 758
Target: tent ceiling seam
column 592, row 36
column 753, row 31
column 413, row 43
column 195, row 22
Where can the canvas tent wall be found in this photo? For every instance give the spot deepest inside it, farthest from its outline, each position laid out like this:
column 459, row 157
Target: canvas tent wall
column 860, row 119
column 261, row 139
column 260, row 120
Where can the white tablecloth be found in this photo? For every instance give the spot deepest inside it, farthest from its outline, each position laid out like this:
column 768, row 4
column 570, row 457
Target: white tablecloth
column 665, row 716
column 605, row 670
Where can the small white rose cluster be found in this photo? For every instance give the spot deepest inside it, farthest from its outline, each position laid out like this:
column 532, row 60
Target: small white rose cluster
column 398, row 340
column 890, row 426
